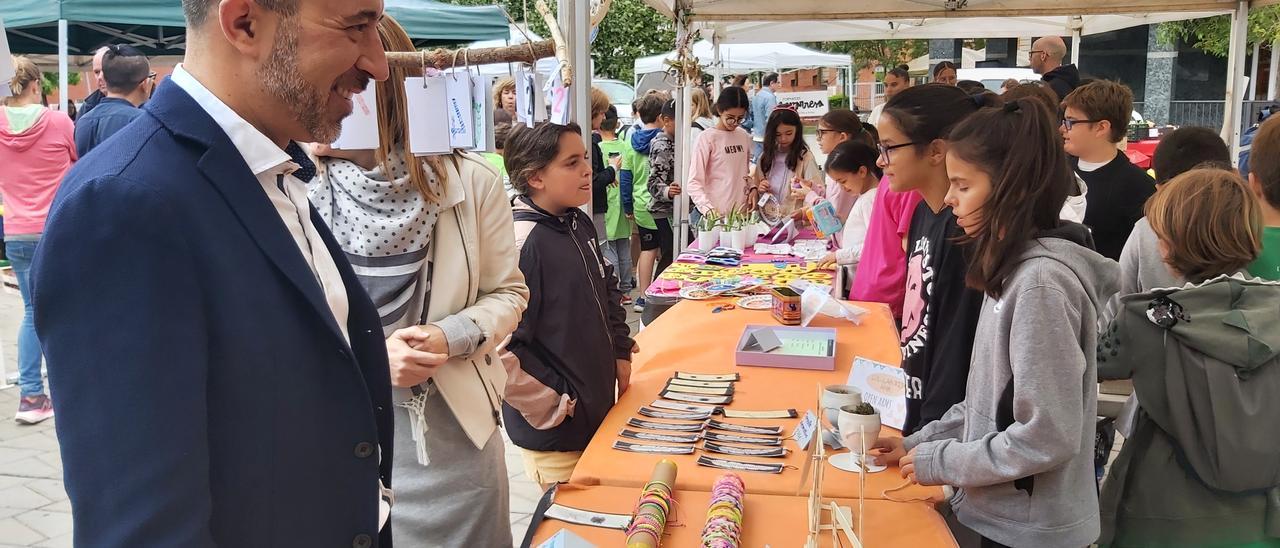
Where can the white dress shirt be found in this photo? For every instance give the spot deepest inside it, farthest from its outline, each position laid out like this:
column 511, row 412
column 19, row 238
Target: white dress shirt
column 268, row 162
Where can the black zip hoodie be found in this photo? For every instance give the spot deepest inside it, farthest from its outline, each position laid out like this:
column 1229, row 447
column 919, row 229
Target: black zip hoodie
column 1063, row 80
column 573, row 331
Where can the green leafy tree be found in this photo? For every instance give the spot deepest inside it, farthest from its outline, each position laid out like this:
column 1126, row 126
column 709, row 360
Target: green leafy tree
column 49, row 81
column 872, row 53
column 630, row 30
column 1213, row 34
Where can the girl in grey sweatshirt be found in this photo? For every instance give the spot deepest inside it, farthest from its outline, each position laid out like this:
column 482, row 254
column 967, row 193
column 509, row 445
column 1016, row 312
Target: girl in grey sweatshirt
column 1019, row 448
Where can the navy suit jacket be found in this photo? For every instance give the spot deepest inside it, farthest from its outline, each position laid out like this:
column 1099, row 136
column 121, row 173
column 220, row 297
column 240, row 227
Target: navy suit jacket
column 205, row 395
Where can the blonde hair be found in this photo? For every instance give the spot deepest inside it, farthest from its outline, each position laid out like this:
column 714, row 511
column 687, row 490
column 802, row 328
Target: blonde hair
column 599, row 102
column 506, row 83
column 701, row 104
column 1209, row 222
column 25, row 72
column 393, row 127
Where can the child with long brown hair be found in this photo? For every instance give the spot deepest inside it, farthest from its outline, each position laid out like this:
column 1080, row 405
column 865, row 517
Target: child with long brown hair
column 1019, row 446
column 785, row 160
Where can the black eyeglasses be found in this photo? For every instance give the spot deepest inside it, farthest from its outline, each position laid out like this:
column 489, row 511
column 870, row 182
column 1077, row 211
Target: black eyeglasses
column 884, row 150
column 1069, row 123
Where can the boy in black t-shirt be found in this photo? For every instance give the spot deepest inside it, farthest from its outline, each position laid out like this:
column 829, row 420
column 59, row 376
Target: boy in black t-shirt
column 1096, row 119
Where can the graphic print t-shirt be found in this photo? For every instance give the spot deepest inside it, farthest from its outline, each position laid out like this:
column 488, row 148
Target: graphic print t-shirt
column 939, row 316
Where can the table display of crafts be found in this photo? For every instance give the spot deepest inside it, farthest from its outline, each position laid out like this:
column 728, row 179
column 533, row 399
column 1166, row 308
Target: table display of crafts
column 728, row 271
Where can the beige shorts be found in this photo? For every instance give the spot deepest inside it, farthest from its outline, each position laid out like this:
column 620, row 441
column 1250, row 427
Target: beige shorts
column 546, row 467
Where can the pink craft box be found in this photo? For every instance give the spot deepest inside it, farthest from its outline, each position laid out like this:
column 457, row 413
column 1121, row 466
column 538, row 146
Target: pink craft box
column 787, row 361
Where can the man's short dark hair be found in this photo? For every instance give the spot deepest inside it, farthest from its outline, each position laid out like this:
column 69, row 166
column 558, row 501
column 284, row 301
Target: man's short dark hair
column 650, row 107
column 770, row 79
column 1187, row 148
column 197, row 11
column 610, row 122
column 123, row 68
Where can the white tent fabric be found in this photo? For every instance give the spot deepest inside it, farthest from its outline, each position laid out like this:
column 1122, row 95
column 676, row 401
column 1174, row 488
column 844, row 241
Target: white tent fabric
column 969, row 58
column 544, row 66
column 748, row 57
column 819, row 10
column 939, row 27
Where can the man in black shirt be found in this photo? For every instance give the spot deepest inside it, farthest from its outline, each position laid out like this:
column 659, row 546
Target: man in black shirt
column 1096, row 119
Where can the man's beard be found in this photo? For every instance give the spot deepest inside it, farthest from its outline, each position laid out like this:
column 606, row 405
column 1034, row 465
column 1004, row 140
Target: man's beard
column 281, row 79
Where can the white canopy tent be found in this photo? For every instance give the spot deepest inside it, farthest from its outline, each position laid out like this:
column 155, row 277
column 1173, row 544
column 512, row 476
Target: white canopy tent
column 748, row 57
column 728, row 21
column 969, row 58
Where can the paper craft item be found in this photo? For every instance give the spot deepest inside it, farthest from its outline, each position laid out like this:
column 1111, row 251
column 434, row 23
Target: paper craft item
column 733, row 438
column 660, row 438
column 780, row 414
column 695, row 398
column 653, row 449
column 7, row 69
column 769, row 452
column 461, row 113
column 728, row 464
column 699, row 390
column 673, row 415
column 825, row 220
column 587, row 517
column 665, row 426
column 701, row 384
column 803, row 433
column 426, row 99
column 560, row 99
column 565, row 538
column 685, row 407
column 817, row 299
column 524, row 98
column 763, row 340
column 360, row 128
column 807, row 347
column 707, row 377
column 884, row 387
column 482, row 112
column 745, row 429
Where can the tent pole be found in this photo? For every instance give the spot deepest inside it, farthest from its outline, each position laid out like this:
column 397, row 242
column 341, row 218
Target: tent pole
column 1235, row 77
column 62, row 65
column 1075, row 47
column 1253, row 73
column 1275, row 68
column 684, row 123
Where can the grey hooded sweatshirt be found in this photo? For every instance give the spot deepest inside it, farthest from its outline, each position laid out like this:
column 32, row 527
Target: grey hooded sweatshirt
column 1019, row 448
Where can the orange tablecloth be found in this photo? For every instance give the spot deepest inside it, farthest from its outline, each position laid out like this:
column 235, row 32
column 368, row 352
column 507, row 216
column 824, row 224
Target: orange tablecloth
column 690, row 338
column 781, row 522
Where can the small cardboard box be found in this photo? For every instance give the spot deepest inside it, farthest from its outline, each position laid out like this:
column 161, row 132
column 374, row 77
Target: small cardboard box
column 821, row 339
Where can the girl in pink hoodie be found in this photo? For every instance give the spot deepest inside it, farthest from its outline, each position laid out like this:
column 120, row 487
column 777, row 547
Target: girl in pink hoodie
column 720, row 167
column 37, row 147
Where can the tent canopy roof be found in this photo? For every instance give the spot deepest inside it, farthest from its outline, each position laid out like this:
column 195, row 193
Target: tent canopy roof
column 813, row 10
column 158, row 28
column 748, row 57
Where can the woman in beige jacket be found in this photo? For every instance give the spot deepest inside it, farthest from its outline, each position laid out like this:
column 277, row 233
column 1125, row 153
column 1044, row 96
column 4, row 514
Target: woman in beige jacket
column 431, row 239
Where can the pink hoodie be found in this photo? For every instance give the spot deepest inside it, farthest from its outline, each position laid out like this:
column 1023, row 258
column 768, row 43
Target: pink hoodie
column 35, row 160
column 718, row 170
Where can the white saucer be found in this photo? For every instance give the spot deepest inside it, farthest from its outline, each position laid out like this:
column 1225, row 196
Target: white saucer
column 849, row 463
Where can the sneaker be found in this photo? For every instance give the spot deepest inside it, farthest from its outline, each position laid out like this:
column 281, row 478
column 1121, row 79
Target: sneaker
column 639, row 307
column 626, row 300
column 34, row 409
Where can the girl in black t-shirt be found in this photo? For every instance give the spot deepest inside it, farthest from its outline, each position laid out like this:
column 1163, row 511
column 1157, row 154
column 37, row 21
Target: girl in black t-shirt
column 939, row 312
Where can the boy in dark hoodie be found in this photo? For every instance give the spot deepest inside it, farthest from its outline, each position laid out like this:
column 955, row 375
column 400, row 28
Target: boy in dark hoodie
column 635, row 177
column 573, row 346
column 659, row 245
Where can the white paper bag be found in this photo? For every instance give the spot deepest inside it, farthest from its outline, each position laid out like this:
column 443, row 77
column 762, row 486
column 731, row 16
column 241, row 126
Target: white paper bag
column 482, row 112
column 360, row 128
column 426, row 99
column 461, row 117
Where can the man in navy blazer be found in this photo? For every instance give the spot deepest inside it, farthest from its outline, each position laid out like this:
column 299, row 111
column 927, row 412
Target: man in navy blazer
column 220, row 376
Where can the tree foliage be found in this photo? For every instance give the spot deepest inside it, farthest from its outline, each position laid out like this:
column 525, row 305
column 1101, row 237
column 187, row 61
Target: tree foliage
column 49, row 81
column 630, row 30
column 871, row 53
column 1213, row 34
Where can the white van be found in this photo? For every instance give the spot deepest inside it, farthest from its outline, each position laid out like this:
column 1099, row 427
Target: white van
column 993, row 78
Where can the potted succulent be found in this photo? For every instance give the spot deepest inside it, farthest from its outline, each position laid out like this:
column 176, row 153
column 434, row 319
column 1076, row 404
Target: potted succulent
column 729, row 231
column 708, row 231
column 859, row 426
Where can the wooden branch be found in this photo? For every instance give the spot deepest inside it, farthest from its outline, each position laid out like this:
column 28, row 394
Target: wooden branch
column 600, row 12
column 441, row 58
column 562, row 50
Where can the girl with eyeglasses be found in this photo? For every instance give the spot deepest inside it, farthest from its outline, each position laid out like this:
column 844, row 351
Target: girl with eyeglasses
column 939, row 312
column 719, row 168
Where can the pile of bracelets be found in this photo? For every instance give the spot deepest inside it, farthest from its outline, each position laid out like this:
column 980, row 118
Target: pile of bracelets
column 724, row 516
column 650, row 516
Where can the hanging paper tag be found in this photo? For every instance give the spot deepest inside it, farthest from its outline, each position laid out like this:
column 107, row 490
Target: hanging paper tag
column 539, row 97
column 771, row 452
column 804, row 431
column 744, row 429
column 673, row 415
column 666, row 426
column 732, row 438
column 559, row 97
column 662, row 438
column 524, row 97
column 727, row 464
column 653, row 449
column 461, row 115
column 360, row 128
column 482, row 112
column 426, row 99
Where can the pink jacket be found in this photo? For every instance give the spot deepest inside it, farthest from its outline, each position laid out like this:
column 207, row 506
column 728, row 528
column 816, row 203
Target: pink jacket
column 35, row 161
column 719, row 170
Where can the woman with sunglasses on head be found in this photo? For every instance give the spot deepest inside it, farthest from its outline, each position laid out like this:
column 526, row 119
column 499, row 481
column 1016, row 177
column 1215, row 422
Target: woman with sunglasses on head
column 939, row 312
column 719, row 168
